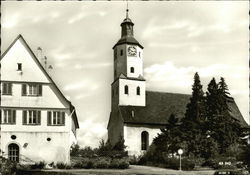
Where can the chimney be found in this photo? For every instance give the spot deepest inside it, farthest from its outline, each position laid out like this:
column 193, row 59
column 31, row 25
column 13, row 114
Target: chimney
column 39, row 54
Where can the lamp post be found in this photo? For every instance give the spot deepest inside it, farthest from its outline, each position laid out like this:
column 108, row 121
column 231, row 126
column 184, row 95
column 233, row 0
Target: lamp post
column 180, row 152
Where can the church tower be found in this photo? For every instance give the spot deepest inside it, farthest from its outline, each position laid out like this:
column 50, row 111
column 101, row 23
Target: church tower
column 128, row 88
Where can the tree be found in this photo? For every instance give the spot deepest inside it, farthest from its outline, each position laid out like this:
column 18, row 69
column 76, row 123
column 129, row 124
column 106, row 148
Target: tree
column 169, row 140
column 193, row 122
column 245, row 155
column 195, row 108
column 225, row 129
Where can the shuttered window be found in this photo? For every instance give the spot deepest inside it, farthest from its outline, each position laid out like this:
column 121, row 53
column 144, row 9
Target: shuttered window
column 32, row 117
column 32, row 89
column 56, row 118
column 8, row 116
column 7, row 88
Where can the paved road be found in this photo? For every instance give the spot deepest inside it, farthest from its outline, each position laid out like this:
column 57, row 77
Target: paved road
column 134, row 170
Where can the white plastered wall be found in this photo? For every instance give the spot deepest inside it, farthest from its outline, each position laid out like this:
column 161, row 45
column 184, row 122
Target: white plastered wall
column 132, row 137
column 131, row 98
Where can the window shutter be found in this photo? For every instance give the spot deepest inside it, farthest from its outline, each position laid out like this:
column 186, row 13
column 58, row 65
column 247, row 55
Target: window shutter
column 24, row 89
column 24, row 117
column 11, row 88
column 40, row 90
column 39, row 117
column 49, row 118
column 14, row 116
column 0, row 116
column 63, row 118
column 4, row 88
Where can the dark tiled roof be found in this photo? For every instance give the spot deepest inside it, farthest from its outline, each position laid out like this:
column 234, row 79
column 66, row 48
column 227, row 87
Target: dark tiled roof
column 235, row 112
column 160, row 105
column 128, row 40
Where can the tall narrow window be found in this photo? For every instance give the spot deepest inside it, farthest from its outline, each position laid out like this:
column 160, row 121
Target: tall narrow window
column 13, row 152
column 138, row 92
column 144, row 140
column 126, row 89
column 56, row 118
column 8, row 116
column 140, row 54
column 7, row 88
column 19, row 66
column 121, row 52
column 132, row 70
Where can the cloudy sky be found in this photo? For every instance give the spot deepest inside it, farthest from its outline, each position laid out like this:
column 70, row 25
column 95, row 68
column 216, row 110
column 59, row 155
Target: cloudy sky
column 179, row 39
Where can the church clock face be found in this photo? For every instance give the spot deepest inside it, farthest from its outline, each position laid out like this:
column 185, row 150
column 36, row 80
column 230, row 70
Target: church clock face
column 132, row 51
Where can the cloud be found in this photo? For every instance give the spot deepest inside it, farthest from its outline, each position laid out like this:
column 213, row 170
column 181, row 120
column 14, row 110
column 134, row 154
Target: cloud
column 91, row 136
column 77, row 18
column 92, row 65
column 11, row 21
column 76, row 86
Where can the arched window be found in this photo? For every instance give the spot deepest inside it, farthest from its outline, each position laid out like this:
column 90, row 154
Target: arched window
column 132, row 69
column 126, row 89
column 13, row 152
column 144, row 140
column 138, row 92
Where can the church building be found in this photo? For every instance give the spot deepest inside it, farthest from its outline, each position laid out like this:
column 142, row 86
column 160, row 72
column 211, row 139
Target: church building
column 37, row 122
column 137, row 115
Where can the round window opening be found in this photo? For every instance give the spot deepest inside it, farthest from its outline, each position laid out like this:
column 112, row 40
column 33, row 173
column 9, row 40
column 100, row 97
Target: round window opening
column 13, row 137
column 48, row 139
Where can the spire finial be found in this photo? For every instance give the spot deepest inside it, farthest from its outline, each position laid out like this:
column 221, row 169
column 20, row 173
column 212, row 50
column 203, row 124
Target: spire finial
column 127, row 10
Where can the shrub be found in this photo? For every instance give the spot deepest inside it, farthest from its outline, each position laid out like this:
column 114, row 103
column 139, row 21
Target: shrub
column 38, row 165
column 61, row 165
column 103, row 163
column 77, row 164
column 213, row 163
column 134, row 160
column 7, row 167
column 123, row 163
column 119, row 163
column 90, row 164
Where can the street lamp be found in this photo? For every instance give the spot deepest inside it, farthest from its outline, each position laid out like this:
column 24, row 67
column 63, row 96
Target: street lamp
column 180, row 152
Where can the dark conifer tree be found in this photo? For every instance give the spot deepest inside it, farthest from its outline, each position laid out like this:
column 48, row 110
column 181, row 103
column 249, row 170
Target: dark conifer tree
column 195, row 108
column 193, row 122
column 224, row 128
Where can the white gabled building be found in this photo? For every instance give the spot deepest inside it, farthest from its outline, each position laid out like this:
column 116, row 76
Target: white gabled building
column 37, row 122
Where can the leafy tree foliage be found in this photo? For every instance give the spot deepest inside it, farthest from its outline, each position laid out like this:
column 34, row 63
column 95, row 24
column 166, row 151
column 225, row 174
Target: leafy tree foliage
column 169, row 141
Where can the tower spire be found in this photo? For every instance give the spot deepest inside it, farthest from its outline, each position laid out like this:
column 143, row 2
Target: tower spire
column 127, row 10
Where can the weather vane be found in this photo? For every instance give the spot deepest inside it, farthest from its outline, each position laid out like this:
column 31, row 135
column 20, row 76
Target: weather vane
column 127, row 9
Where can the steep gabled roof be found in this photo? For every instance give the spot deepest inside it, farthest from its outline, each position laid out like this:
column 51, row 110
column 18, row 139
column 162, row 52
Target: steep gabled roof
column 235, row 112
column 20, row 37
column 160, row 105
